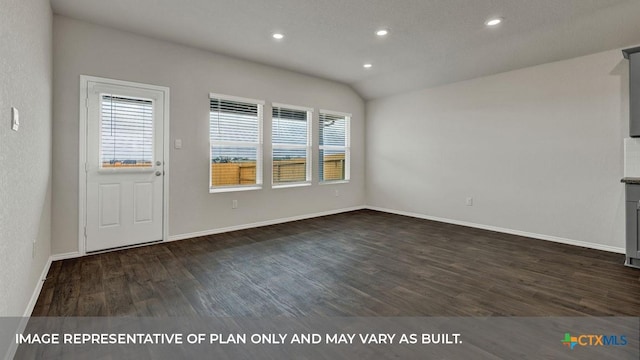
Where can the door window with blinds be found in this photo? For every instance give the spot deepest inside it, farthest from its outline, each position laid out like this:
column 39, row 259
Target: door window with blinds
column 334, row 137
column 235, row 133
column 126, row 132
column 291, row 143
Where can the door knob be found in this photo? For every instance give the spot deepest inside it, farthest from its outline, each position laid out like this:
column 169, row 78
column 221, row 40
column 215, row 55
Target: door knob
column 158, row 163
column 158, row 173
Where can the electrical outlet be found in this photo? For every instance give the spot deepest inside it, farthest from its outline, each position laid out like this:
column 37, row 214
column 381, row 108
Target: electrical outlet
column 234, row 204
column 469, row 201
column 337, row 193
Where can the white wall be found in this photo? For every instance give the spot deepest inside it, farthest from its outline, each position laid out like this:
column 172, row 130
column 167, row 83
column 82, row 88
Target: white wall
column 539, row 150
column 84, row 49
column 25, row 156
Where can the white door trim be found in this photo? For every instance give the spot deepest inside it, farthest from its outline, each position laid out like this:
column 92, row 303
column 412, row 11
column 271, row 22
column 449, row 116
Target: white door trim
column 82, row 152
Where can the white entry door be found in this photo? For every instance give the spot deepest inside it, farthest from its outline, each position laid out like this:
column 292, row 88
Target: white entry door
column 124, row 165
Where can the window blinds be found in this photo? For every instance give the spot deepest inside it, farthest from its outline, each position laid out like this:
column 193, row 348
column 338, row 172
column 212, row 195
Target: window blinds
column 126, row 131
column 334, row 146
column 236, row 145
column 291, row 145
column 233, row 121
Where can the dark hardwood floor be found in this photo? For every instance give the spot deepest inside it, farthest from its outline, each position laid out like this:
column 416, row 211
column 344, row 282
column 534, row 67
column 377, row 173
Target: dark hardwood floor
column 362, row 263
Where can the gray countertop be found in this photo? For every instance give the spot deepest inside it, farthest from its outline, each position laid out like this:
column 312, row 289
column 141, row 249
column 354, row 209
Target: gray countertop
column 631, row 180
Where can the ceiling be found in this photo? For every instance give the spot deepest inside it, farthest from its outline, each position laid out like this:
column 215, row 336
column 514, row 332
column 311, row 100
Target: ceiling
column 430, row 42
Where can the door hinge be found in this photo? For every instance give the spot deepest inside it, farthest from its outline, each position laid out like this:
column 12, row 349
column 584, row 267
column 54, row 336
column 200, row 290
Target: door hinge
column 86, row 167
column 86, row 102
column 85, row 232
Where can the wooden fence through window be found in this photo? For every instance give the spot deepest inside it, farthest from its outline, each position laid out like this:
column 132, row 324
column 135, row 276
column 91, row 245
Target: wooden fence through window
column 288, row 170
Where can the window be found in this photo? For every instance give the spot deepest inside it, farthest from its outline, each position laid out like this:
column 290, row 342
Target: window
column 235, row 134
column 334, row 146
column 291, row 145
column 126, row 132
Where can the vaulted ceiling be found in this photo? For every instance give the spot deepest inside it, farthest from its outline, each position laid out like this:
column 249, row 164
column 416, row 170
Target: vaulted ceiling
column 430, row 42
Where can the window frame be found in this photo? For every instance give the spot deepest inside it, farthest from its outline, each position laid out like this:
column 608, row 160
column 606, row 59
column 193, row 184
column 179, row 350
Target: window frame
column 308, row 147
column 346, row 147
column 259, row 145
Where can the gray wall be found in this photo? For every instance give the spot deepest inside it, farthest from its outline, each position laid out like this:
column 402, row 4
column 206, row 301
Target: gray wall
column 25, row 156
column 539, row 149
column 84, row 49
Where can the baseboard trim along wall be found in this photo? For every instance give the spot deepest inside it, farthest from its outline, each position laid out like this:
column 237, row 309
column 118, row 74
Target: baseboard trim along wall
column 262, row 223
column 557, row 239
column 36, row 292
column 11, row 352
column 65, row 256
column 75, row 254
column 504, row 230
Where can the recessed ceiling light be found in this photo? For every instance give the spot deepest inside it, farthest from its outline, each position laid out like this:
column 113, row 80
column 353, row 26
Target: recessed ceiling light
column 493, row 22
column 382, row 32
column 278, row 36
column 367, row 66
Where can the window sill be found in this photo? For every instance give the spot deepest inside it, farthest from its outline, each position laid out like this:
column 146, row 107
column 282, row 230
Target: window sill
column 332, row 182
column 293, row 185
column 233, row 189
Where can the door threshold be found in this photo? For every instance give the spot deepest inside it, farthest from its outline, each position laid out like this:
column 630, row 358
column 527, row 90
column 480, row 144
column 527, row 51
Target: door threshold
column 125, row 247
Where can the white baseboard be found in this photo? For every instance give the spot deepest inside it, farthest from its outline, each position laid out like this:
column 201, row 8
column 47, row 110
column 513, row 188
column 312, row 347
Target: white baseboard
column 36, row 291
column 261, row 223
column 557, row 239
column 65, row 256
column 504, row 230
column 11, row 352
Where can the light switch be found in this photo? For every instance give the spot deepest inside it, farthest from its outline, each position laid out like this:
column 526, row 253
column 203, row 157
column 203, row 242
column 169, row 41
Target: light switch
column 15, row 119
column 178, row 144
